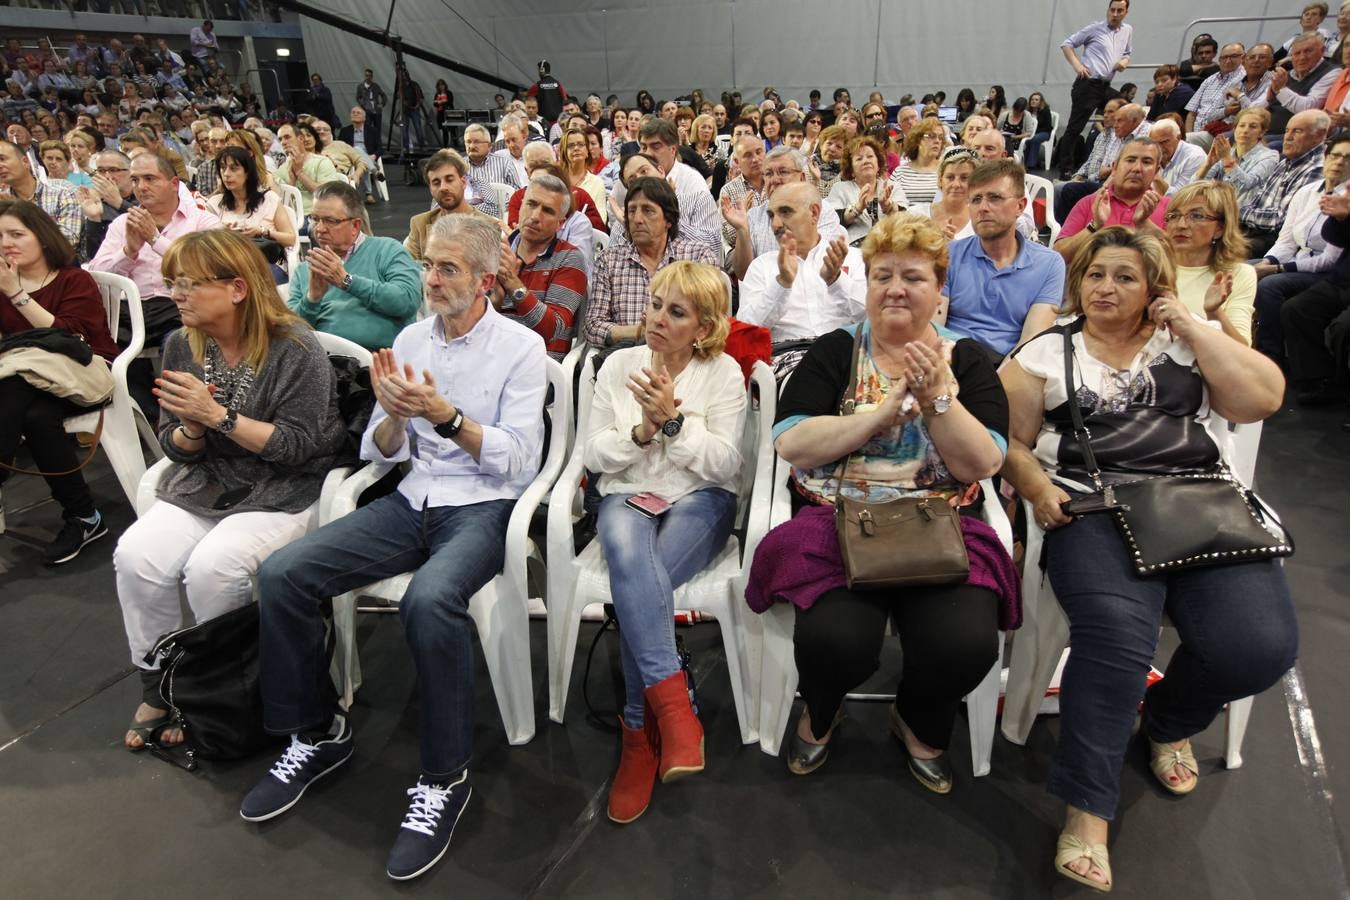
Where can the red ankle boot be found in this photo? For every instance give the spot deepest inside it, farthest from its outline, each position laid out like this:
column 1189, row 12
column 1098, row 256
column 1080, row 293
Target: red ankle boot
column 681, row 731
column 631, row 791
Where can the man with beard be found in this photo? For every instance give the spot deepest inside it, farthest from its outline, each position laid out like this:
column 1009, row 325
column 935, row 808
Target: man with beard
column 459, row 400
column 446, row 175
column 354, row 285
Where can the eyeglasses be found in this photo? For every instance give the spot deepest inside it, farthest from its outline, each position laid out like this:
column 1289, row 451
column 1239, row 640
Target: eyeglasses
column 1231, row 56
column 326, row 222
column 1340, row 156
column 991, row 199
column 110, row 170
column 875, row 115
column 186, row 286
column 1194, row 217
column 445, row 270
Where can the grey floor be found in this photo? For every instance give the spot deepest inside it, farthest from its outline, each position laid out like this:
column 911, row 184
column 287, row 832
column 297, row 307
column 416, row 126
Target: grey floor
column 80, row 817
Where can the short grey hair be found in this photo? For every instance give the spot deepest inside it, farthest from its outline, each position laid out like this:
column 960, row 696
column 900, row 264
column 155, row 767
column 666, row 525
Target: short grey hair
column 514, row 122
column 537, row 150
column 479, row 236
column 796, row 156
column 126, row 160
column 341, row 190
column 1306, row 37
column 554, row 184
column 477, row 128
column 1167, row 125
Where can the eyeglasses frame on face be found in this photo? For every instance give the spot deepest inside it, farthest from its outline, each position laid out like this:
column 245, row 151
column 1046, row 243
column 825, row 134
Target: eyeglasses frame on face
column 445, row 270
column 314, row 221
column 1195, row 217
column 175, row 285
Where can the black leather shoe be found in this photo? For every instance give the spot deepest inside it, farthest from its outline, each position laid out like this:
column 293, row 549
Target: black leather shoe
column 803, row 757
column 935, row 774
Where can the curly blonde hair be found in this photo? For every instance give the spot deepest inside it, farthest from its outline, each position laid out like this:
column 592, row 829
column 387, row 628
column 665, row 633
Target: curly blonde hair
column 907, row 232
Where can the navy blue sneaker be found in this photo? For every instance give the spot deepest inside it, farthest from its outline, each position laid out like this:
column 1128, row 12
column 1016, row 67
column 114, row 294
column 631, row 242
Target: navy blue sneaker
column 300, row 766
column 425, row 834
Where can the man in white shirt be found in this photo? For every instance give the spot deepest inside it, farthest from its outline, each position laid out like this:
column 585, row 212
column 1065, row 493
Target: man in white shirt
column 698, row 213
column 1180, row 159
column 808, row 286
column 470, row 428
column 753, row 228
column 514, row 133
column 204, row 43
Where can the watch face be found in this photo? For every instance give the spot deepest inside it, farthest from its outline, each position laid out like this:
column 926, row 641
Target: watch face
column 942, row 404
column 672, row 426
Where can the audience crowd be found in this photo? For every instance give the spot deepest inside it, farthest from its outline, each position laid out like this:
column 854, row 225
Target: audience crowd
column 891, row 249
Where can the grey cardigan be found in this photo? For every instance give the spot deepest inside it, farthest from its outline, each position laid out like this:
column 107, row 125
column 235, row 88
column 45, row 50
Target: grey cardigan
column 296, row 391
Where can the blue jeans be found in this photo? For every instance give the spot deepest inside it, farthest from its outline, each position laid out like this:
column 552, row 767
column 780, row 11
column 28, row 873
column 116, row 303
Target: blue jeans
column 1271, row 292
column 1031, row 157
column 455, row 550
column 648, row 559
column 1238, row 636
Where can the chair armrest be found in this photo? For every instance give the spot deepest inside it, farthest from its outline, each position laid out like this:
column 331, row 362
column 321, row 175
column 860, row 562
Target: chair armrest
column 150, row 482
column 561, row 550
column 995, row 516
column 331, row 482
column 339, row 497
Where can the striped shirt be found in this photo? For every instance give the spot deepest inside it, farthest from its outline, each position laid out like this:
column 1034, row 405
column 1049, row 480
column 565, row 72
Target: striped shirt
column 699, row 216
column 736, row 190
column 1253, row 169
column 207, row 178
column 492, row 169
column 620, row 281
column 1101, row 47
column 916, row 186
column 59, row 200
column 1268, row 206
column 554, row 283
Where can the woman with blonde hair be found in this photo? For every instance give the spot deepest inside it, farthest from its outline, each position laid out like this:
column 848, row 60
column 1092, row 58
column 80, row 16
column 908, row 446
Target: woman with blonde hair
column 82, row 149
column 1213, row 277
column 703, row 138
column 951, row 214
column 829, row 157
column 59, row 163
column 249, row 416
column 664, row 435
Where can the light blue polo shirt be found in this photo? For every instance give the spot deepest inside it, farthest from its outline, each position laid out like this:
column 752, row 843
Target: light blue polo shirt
column 990, row 304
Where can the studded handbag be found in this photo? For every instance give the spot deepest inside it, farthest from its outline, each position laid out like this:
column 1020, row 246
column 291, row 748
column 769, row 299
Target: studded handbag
column 1172, row 522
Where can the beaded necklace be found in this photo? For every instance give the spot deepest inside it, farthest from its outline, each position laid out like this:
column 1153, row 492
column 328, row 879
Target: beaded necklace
column 232, row 382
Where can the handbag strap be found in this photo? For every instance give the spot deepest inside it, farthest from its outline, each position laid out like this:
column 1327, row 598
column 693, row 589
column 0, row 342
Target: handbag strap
column 88, row 458
column 1080, row 429
column 848, row 401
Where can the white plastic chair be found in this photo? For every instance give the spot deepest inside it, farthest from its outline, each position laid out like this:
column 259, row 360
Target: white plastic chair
column 124, row 425
column 599, row 241
column 574, row 581
column 500, row 610
column 778, row 680
column 293, row 201
column 381, row 185
column 1045, row 631
column 1038, row 185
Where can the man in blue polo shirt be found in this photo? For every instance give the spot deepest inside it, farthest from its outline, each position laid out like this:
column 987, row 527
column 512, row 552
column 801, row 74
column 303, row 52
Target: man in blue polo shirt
column 1002, row 288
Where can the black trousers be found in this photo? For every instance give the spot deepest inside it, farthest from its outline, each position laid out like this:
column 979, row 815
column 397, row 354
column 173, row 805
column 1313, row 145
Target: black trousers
column 161, row 320
column 1086, row 97
column 1317, row 336
column 948, row 635
column 1259, row 240
column 35, row 416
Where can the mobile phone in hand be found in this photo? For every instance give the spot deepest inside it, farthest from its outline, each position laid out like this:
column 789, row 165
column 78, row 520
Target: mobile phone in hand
column 648, row 504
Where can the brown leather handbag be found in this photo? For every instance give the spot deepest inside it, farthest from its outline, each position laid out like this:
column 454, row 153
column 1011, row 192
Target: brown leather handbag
column 901, row 542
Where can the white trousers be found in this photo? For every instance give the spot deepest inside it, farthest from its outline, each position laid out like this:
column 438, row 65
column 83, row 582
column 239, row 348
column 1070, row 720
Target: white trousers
column 215, row 559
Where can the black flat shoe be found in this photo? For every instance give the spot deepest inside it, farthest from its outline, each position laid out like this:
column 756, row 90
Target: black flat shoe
column 934, row 774
column 803, row 757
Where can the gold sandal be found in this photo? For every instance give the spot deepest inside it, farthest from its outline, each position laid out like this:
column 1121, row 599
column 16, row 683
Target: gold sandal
column 1072, row 848
column 1164, row 758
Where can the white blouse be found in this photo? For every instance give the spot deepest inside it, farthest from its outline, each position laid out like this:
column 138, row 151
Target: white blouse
column 706, row 452
column 262, row 216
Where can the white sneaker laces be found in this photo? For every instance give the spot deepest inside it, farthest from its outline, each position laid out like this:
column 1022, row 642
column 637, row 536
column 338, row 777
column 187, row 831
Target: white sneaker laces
column 296, row 755
column 429, row 800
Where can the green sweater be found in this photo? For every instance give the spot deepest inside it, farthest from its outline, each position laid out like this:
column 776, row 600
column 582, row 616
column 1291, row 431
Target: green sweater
column 384, row 297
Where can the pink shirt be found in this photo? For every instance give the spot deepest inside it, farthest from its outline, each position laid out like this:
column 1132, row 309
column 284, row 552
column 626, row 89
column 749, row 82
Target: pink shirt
column 1122, row 213
column 192, row 215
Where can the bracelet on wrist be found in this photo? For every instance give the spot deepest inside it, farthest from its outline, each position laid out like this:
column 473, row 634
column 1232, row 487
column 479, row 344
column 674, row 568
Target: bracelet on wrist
column 190, row 436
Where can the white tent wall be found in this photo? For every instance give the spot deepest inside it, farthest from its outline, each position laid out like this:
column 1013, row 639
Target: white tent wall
column 622, row 46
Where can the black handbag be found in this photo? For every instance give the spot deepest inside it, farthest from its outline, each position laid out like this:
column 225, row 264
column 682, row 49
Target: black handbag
column 209, row 683
column 1173, row 522
column 896, row 543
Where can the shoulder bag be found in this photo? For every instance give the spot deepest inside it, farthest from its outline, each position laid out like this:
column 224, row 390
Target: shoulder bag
column 1173, row 522
column 209, row 683
column 901, row 542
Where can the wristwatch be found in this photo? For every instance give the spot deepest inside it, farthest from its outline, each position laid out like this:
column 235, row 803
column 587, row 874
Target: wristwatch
column 21, row 299
column 226, row 425
column 451, row 428
column 1090, row 227
column 939, row 405
column 347, row 282
column 672, row 426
